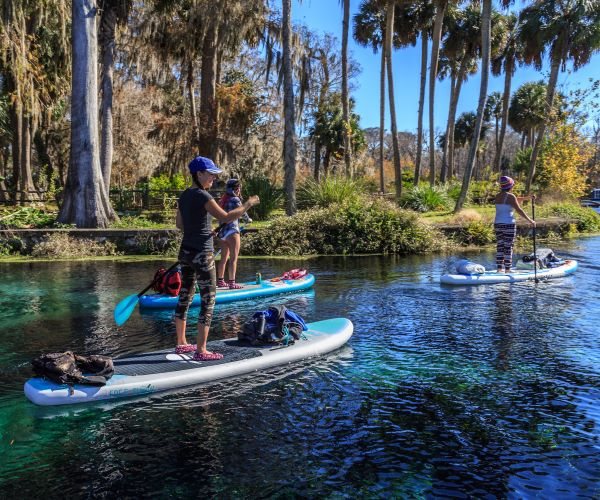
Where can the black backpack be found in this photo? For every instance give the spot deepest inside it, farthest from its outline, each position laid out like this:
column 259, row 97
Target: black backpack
column 69, row 368
column 276, row 325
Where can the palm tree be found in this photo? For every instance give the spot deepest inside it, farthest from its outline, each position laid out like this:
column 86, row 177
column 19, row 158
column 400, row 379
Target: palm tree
column 436, row 36
column 371, row 26
column 527, row 111
column 369, row 29
column 413, row 21
column 389, row 30
column 86, row 200
column 424, row 23
column 464, row 130
column 494, row 105
column 329, row 129
column 569, row 31
column 458, row 59
column 507, row 59
column 345, row 97
column 289, row 144
column 486, row 22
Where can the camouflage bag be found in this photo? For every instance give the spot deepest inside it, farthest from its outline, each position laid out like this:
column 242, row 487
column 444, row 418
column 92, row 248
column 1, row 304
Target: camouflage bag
column 68, row 368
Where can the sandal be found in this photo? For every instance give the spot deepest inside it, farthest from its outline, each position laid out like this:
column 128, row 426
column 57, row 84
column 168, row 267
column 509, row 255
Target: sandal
column 207, row 356
column 185, row 348
column 234, row 286
column 221, row 283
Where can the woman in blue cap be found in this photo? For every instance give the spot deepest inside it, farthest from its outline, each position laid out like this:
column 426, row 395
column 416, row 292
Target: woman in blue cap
column 230, row 236
column 195, row 208
column 505, row 224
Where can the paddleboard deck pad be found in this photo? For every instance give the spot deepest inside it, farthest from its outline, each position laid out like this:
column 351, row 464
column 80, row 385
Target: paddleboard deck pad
column 153, row 372
column 224, row 295
column 492, row 277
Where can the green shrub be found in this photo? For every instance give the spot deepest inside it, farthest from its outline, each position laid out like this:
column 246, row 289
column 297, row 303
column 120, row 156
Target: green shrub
column 588, row 220
column 426, row 199
column 477, row 233
column 370, row 227
column 483, row 192
column 166, row 182
column 61, row 245
column 151, row 220
column 270, row 196
column 29, row 217
column 453, row 190
column 331, row 190
column 5, row 249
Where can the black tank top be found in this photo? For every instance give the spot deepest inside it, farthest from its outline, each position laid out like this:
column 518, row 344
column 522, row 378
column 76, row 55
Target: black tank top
column 197, row 230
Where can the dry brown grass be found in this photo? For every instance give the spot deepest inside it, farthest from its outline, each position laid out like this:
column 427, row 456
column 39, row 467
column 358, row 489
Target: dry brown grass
column 61, row 245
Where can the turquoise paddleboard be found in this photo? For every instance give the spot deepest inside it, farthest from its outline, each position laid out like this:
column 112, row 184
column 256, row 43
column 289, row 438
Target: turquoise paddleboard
column 153, row 372
column 250, row 290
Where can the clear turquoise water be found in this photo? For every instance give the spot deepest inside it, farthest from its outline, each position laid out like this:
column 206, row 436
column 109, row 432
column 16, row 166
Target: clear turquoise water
column 464, row 392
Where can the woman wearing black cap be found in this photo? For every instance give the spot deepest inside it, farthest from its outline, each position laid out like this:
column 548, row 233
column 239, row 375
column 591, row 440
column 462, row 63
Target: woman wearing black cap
column 230, row 236
column 196, row 255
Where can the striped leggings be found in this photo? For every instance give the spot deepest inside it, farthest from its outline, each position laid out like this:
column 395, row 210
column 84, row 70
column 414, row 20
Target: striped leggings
column 505, row 240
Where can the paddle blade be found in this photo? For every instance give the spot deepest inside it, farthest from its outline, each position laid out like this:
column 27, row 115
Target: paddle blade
column 125, row 308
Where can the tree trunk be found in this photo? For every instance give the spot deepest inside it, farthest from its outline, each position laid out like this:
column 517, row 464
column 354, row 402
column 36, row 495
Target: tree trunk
column 208, row 88
column 382, row 121
column 486, row 15
column 554, row 69
column 417, row 177
column 4, row 196
column 345, row 96
column 326, row 161
column 194, row 113
column 435, row 52
column 86, row 202
column 108, row 23
column 17, row 126
column 448, row 152
column 508, row 70
column 26, row 186
column 317, row 171
column 389, row 29
column 289, row 142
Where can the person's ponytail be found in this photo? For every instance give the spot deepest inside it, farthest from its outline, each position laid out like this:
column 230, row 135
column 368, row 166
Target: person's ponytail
column 196, row 181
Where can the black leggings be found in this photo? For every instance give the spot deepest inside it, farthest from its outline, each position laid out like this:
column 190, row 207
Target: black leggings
column 197, row 267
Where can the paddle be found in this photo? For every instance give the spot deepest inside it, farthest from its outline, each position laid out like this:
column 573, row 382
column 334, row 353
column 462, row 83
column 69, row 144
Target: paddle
column 534, row 240
column 124, row 308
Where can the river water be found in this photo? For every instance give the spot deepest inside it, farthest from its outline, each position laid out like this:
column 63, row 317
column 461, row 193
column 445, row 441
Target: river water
column 489, row 391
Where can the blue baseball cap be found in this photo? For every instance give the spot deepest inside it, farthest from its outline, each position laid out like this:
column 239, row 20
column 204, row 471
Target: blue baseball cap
column 202, row 164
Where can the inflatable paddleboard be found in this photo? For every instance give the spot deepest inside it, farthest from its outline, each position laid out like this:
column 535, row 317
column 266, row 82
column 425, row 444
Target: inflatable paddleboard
column 250, row 291
column 491, row 277
column 153, row 372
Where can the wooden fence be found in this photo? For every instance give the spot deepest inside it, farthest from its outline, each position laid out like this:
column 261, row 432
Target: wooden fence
column 122, row 200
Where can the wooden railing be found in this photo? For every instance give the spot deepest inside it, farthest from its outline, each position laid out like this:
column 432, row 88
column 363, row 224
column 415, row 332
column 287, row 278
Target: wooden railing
column 122, row 200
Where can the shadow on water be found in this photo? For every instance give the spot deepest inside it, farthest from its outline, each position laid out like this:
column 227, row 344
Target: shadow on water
column 442, row 391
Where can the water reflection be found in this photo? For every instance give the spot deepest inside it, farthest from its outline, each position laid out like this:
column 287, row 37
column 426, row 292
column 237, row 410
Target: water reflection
column 503, row 331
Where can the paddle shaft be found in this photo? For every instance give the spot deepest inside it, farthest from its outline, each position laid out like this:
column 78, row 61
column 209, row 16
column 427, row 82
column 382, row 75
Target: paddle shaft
column 534, row 240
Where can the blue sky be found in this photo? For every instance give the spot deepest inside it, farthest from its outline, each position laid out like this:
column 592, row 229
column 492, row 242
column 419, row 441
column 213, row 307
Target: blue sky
column 325, row 16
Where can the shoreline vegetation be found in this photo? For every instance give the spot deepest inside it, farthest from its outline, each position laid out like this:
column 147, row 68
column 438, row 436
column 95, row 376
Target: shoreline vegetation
column 359, row 227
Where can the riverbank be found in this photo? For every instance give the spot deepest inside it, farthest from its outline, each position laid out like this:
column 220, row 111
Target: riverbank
column 362, row 227
column 151, row 244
